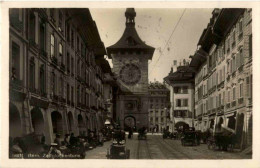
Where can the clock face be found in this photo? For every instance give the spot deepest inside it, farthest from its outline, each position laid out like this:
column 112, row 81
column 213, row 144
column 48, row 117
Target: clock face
column 130, row 74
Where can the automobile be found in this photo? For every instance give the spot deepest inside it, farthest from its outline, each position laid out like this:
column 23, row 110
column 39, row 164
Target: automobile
column 118, row 150
column 189, row 137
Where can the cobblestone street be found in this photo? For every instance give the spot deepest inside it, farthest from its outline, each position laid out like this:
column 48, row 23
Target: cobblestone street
column 155, row 147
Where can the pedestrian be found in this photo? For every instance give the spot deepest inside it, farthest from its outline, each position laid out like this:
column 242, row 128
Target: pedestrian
column 66, row 140
column 57, row 140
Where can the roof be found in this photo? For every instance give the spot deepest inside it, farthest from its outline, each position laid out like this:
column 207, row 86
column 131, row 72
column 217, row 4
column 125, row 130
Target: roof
column 157, row 86
column 130, row 38
column 183, row 74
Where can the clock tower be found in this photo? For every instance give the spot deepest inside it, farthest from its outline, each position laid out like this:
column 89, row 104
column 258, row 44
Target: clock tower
column 130, row 57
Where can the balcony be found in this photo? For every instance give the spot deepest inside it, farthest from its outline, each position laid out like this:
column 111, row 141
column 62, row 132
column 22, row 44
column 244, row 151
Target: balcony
column 240, row 100
column 16, row 23
column 234, row 103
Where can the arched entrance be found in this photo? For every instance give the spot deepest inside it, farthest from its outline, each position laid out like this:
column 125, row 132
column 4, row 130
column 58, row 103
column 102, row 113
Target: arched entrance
column 181, row 125
column 81, row 125
column 129, row 122
column 70, row 122
column 15, row 125
column 37, row 121
column 57, row 125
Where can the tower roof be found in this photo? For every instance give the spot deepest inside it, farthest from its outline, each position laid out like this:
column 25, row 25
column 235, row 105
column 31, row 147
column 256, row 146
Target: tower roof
column 130, row 38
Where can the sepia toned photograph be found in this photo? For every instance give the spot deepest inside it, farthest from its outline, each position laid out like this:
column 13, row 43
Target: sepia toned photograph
column 130, row 83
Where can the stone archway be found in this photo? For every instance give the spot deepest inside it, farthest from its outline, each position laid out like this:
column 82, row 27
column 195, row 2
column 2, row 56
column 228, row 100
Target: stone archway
column 81, row 125
column 70, row 122
column 129, row 121
column 15, row 124
column 37, row 121
column 57, row 124
column 181, row 125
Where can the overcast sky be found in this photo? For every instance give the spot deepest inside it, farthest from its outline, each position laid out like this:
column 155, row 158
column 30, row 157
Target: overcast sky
column 155, row 26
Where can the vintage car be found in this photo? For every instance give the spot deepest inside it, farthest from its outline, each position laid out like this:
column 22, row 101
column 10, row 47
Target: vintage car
column 118, row 151
column 189, row 137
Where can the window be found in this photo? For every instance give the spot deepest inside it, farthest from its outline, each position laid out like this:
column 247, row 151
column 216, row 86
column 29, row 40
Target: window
column 72, row 38
column 250, row 45
column 241, row 57
column 32, row 74
column 68, row 92
column 162, row 119
column 68, row 62
column 233, row 39
column 185, row 89
column 42, row 36
column 234, row 93
column 52, row 12
column 15, row 60
column 52, row 45
column 60, row 21
column 185, row 102
column 72, row 66
column 60, row 49
column 228, row 98
column 42, row 79
column 233, row 64
column 178, row 102
column 177, row 90
column 32, row 27
column 72, row 94
column 68, row 32
column 61, row 87
column 241, row 90
column 53, row 83
column 240, row 26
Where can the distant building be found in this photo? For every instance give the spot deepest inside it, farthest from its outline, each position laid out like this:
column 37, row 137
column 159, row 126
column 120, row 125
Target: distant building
column 130, row 57
column 159, row 101
column 181, row 86
column 223, row 80
column 56, row 73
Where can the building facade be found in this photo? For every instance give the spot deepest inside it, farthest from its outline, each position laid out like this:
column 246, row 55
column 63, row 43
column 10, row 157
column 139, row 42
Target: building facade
column 56, row 84
column 130, row 57
column 223, row 81
column 181, row 86
column 159, row 100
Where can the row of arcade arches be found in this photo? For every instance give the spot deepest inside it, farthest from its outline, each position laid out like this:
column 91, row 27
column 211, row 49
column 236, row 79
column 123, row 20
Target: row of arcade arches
column 38, row 124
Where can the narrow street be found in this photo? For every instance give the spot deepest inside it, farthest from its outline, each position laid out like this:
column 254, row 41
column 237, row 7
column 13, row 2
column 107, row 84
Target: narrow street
column 155, row 147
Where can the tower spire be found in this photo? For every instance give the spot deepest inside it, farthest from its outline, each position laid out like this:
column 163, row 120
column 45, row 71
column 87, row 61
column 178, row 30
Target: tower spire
column 130, row 15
